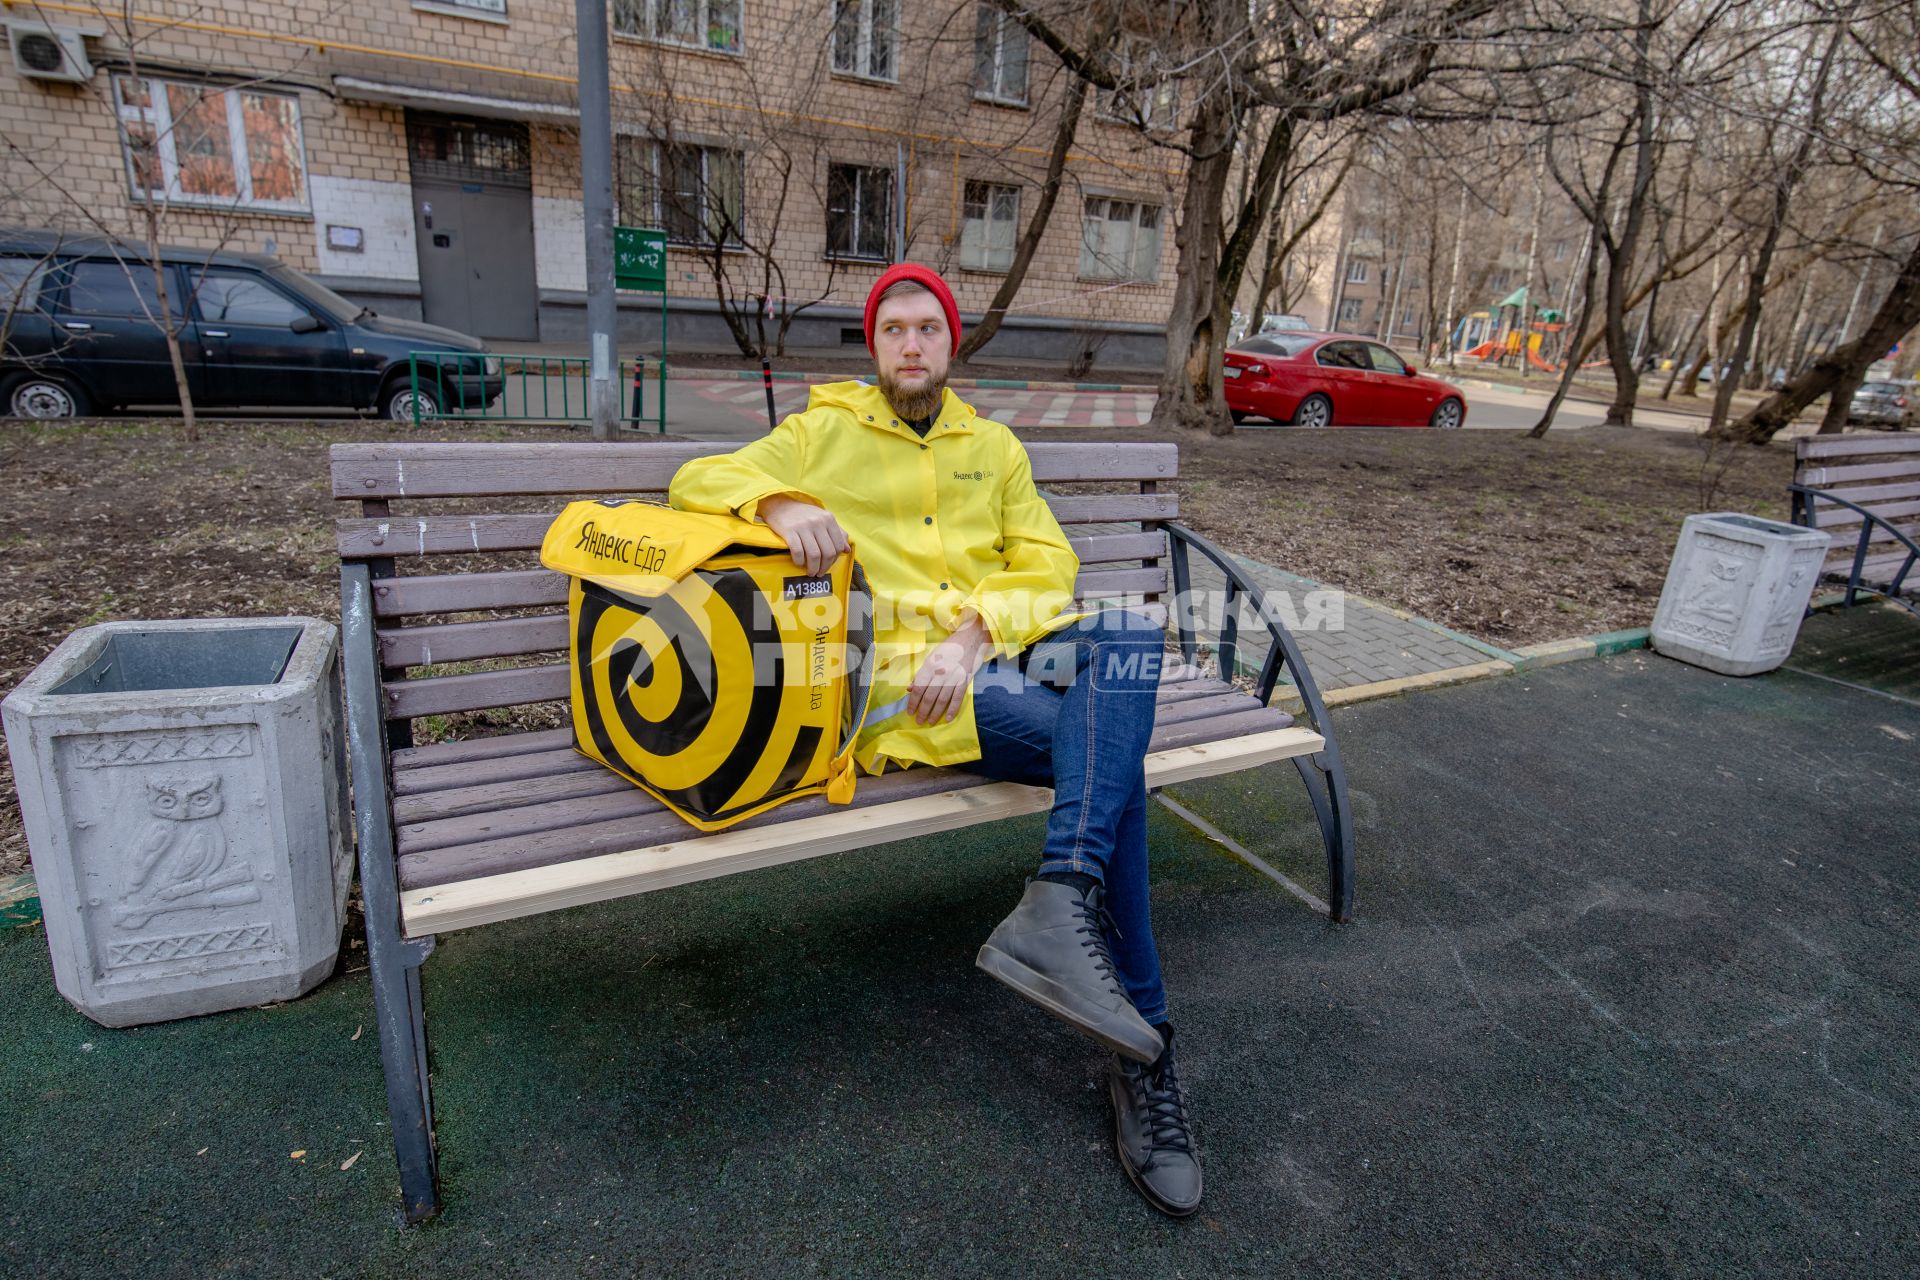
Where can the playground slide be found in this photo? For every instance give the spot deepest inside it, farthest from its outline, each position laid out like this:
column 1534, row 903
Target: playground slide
column 1533, row 358
column 1485, row 351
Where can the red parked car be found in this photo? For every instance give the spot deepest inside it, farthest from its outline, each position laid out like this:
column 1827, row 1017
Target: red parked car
column 1323, row 379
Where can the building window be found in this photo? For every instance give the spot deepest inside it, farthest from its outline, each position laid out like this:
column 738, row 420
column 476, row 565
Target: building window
column 989, row 226
column 697, row 195
column 859, row 212
column 696, row 24
column 1559, row 250
column 866, row 35
column 1148, row 97
column 1120, row 240
column 1407, row 318
column 1499, row 280
column 1349, row 311
column 1356, row 271
column 481, row 8
column 202, row 144
column 999, row 58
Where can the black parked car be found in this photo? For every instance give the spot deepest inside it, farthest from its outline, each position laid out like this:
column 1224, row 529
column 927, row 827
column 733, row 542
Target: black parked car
column 253, row 331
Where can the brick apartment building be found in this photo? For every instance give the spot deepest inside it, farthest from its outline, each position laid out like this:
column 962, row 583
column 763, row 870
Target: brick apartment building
column 421, row 156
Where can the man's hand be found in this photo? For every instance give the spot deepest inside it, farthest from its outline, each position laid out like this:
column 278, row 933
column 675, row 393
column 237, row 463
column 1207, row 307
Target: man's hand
column 811, row 533
column 940, row 687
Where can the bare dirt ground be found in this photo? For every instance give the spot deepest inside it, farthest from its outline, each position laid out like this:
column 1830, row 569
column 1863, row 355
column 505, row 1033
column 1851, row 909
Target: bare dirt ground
column 1506, row 539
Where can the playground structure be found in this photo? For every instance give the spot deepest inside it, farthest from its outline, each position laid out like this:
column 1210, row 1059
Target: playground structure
column 1503, row 334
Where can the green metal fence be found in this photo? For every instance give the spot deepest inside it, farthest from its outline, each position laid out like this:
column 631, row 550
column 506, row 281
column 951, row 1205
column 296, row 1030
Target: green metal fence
column 502, row 386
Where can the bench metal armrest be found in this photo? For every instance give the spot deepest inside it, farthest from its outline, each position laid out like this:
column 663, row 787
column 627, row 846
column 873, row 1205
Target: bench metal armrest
column 1805, row 499
column 1283, row 652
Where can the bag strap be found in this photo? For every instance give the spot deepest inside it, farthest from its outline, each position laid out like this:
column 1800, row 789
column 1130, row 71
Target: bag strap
column 840, row 770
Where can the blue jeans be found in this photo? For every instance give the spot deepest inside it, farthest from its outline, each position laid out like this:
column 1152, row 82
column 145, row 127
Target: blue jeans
column 1075, row 713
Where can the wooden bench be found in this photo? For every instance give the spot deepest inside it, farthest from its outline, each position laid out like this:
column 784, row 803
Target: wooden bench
column 1865, row 491
column 461, row 833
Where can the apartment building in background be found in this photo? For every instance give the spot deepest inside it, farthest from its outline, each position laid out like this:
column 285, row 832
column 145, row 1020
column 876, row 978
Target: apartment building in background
column 422, row 157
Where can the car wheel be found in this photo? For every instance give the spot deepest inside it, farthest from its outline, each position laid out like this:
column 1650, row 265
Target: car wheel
column 1315, row 411
column 46, row 395
column 1448, row 415
column 404, row 403
column 1239, row 416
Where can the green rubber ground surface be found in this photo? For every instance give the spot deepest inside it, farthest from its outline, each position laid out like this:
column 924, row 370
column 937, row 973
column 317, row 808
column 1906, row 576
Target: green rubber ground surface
column 1632, row 991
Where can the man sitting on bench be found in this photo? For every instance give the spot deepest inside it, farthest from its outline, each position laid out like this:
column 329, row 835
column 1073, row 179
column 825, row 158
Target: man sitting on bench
column 969, row 567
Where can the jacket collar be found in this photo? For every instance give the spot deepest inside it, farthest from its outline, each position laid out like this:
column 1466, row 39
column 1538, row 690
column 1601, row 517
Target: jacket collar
column 870, row 408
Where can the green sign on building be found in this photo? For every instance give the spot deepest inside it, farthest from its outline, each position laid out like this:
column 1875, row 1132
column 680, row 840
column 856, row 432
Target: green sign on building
column 640, row 259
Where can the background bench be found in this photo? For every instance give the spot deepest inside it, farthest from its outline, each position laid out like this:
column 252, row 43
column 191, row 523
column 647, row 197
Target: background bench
column 1865, row 491
column 445, row 610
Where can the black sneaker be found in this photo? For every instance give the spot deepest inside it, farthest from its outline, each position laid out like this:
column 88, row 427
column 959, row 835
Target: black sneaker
column 1053, row 950
column 1152, row 1135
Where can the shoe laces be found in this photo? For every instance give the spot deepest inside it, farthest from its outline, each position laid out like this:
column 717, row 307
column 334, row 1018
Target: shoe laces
column 1162, row 1106
column 1093, row 926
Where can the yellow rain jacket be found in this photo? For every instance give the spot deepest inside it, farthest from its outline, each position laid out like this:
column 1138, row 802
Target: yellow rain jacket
column 945, row 526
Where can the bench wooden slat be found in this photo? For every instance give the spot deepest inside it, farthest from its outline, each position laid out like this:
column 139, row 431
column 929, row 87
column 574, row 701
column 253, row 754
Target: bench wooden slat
column 467, row 641
column 489, row 534
column 427, row 594
column 1819, row 477
column 388, row 471
column 458, row 777
column 1846, row 540
column 443, row 695
column 1878, row 568
column 1261, row 735
column 1869, row 494
column 464, row 750
column 1826, row 517
column 1853, row 446
column 1114, row 508
column 520, row 802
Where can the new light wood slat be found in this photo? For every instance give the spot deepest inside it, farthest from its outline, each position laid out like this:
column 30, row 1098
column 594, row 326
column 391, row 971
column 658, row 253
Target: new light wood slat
column 389, row 471
column 516, row 893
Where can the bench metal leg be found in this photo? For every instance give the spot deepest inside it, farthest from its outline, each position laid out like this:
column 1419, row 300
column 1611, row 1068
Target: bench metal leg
column 1326, row 786
column 392, row 960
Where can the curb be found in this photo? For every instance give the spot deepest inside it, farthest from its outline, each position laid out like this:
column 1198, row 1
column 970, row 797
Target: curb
column 1533, row 657
column 19, row 902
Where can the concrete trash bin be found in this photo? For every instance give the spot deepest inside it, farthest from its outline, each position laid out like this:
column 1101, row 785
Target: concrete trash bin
column 1736, row 591
column 184, row 791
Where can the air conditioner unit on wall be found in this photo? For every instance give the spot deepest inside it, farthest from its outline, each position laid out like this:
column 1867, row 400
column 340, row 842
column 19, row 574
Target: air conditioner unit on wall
column 49, row 53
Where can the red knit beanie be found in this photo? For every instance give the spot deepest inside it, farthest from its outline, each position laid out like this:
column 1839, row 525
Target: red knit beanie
column 919, row 275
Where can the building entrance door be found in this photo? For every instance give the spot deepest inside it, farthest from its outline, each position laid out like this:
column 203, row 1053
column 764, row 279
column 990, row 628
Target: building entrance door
column 473, row 225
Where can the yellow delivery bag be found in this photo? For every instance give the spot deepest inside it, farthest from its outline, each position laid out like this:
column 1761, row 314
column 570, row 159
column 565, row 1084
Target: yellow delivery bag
column 706, row 666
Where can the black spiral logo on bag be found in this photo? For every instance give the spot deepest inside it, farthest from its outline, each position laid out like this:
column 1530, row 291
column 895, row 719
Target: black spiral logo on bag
column 654, row 702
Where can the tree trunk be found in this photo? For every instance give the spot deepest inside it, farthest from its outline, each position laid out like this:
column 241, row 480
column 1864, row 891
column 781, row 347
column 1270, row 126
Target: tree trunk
column 1191, row 391
column 1567, row 373
column 1070, row 108
column 170, row 324
column 1763, row 260
column 1626, row 378
column 1899, row 312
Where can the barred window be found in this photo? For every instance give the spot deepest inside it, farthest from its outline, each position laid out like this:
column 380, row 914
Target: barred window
column 713, row 25
column 696, row 194
column 866, row 38
column 859, row 212
column 999, row 57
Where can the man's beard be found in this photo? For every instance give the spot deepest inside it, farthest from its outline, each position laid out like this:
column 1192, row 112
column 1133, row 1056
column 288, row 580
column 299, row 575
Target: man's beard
column 914, row 403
